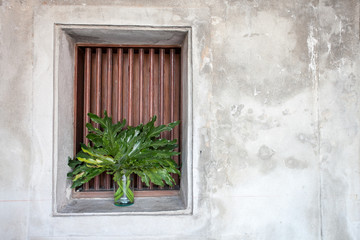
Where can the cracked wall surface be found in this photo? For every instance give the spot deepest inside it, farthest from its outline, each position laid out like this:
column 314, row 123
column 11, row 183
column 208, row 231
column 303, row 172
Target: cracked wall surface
column 275, row 99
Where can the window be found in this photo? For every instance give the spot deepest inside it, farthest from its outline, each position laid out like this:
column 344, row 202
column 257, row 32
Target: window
column 135, row 44
column 132, row 82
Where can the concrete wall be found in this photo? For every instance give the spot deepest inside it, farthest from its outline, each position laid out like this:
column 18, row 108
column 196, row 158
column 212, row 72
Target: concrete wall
column 275, row 124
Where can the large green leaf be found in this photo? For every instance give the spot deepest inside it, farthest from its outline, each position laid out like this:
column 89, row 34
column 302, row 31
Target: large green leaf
column 81, row 172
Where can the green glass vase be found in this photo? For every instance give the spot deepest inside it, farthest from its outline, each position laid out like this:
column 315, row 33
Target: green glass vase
column 124, row 196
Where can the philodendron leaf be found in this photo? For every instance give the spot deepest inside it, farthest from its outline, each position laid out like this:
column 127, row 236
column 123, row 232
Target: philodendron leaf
column 98, row 156
column 96, row 131
column 81, row 173
column 96, row 139
column 155, row 132
column 95, row 118
column 73, row 162
column 163, row 143
column 173, row 124
column 86, row 176
column 119, row 126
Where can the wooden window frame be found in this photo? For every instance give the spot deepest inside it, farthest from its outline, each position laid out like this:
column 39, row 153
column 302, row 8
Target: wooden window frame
column 167, row 63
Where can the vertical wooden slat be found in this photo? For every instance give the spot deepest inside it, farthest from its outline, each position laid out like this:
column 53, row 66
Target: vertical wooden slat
column 109, row 81
column 98, row 83
column 125, row 85
column 141, row 93
column 120, row 85
column 151, row 84
column 172, row 86
column 136, row 89
column 93, row 82
column 151, row 90
column 145, row 91
column 114, row 88
column 108, row 100
column 161, row 67
column 103, row 82
column 161, row 87
column 87, row 91
column 141, row 84
column 93, row 96
column 166, row 95
column 98, row 98
column 87, row 98
column 156, row 87
column 130, row 85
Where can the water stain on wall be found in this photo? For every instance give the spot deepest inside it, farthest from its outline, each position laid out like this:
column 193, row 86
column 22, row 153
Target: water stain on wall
column 265, row 153
column 294, row 163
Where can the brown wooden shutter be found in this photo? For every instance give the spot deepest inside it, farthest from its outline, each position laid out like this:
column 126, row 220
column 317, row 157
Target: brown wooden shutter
column 129, row 82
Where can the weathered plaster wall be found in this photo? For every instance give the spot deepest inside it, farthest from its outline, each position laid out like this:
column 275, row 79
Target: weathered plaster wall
column 275, row 124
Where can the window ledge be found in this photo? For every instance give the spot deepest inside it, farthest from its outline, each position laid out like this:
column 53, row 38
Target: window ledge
column 143, row 206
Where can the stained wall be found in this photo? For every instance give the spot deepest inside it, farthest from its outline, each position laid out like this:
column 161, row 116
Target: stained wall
column 275, row 92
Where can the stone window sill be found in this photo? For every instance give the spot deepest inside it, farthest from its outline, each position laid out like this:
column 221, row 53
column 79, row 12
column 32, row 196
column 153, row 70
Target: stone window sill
column 172, row 205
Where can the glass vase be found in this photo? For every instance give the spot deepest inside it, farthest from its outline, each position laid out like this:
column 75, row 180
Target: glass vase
column 124, row 196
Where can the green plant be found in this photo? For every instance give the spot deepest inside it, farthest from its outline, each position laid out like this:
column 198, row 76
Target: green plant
column 122, row 151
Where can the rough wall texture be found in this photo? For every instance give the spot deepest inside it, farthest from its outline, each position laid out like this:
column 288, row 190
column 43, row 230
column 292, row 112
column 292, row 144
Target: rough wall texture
column 276, row 119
